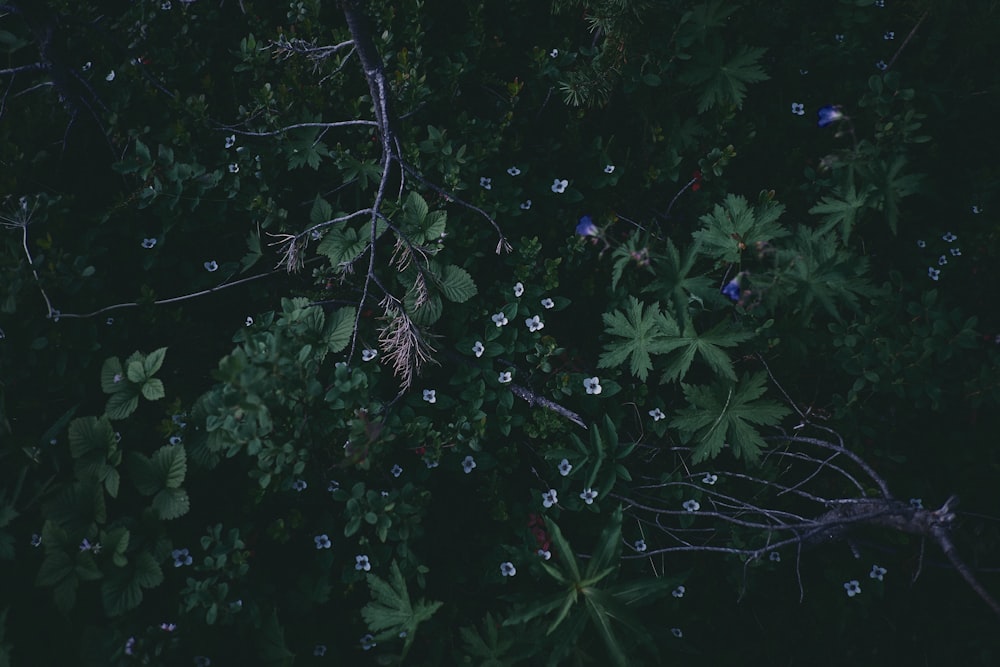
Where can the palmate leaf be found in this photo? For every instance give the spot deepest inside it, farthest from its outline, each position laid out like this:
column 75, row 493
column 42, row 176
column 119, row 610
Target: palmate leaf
column 842, row 210
column 724, row 84
column 390, row 611
column 673, row 277
column 707, row 345
column 734, row 225
column 642, row 331
column 488, row 648
column 724, row 413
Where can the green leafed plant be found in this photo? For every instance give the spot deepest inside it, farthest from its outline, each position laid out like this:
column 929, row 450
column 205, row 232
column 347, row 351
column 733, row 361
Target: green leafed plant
column 127, row 382
column 390, row 611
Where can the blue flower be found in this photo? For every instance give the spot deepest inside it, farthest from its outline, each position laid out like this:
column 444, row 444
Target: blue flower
column 322, row 541
column 878, row 572
column 565, row 467
column 852, row 587
column 829, row 114
column 468, row 463
column 586, row 227
column 732, row 289
column 181, row 557
column 396, row 471
column 507, row 569
column 639, row 545
column 361, row 563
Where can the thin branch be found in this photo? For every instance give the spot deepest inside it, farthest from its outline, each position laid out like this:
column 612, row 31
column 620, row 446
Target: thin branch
column 296, row 126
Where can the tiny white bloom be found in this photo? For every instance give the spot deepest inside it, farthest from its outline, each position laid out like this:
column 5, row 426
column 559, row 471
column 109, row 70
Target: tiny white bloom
column 110, row 76
column 639, row 545
column 507, row 569
column 565, row 467
column 775, row 557
column 679, row 591
column 921, row 243
column 526, row 204
column 545, row 554
column 368, row 354
column 657, row 414
column 87, row 65
column 249, row 321
column 691, row 505
column 949, row 238
column 609, row 169
column 514, row 171
column 852, row 587
column 485, row 183
column 955, row 252
column 933, row 273
column 430, row 395
column 676, row 632
column 592, row 385
column 534, row 324
column 361, row 562
column 976, row 209
column 942, row 260
column 798, row 109
column 553, row 53
column 478, row 349
column 878, row 572
column 550, row 498
column 230, row 141
column 234, row 168
column 518, row 289
column 548, row 303
column 499, row 319
column 839, row 37
column 211, row 266
column 710, row 479
column 588, row 495
column 504, row 377
column 468, row 463
column 889, row 35
column 148, row 243
column 881, row 65
column 559, row 186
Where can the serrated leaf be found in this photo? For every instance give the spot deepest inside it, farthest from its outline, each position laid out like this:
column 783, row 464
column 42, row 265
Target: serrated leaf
column 733, row 226
column 842, row 210
column 339, row 327
column 708, row 346
column 271, row 642
column 170, row 463
column 724, row 84
column 390, row 610
column 57, row 566
column 147, row 571
column 111, row 369
column 171, row 503
column 120, row 593
column 724, row 413
column 143, row 474
column 152, row 389
column 456, row 284
column 135, row 372
column 122, row 404
column 641, row 332
column 321, row 211
column 415, row 208
column 90, row 434
column 154, row 360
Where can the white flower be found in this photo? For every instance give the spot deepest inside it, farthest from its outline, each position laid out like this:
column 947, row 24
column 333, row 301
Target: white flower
column 322, row 541
column 396, row 470
column 881, row 65
column 548, row 303
column 507, row 569
column 710, row 479
column 526, row 204
column 368, row 642
column 657, row 414
column 514, row 171
column 165, row 5
column 485, row 183
column 676, row 632
column 87, row 65
column 565, row 467
column 839, row 37
column 559, row 186
column 431, row 463
column 249, row 321
column 877, row 572
column 478, row 349
column 852, row 587
column 888, row 35
column 609, row 169
column 550, row 498
column 942, row 260
column 518, row 289
column 36, row 540
column 798, row 109
column 955, row 252
column 234, row 168
column 504, row 377
column 775, row 557
column 534, row 324
column 361, row 563
column 110, row 76
column 592, row 385
column 230, row 141
column 949, row 238
column 211, row 266
column 368, row 354
column 588, row 495
column 880, row 3
column 639, row 545
column 430, row 395
column 176, row 440
column 921, row 243
column 679, row 591
column 468, row 463
column 553, row 53
column 499, row 319
column 976, row 209
column 933, row 273
column 545, row 554
column 691, row 505
column 148, row 243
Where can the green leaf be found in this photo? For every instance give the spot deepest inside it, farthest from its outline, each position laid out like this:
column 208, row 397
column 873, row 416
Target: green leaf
column 721, row 83
column 171, row 503
column 842, row 210
column 734, row 226
column 708, row 346
column 154, row 360
column 390, row 610
column 144, row 475
column 339, row 327
column 135, row 372
column 111, row 369
column 170, row 462
column 152, row 389
column 90, row 434
column 122, row 404
column 321, row 211
column 456, row 284
column 608, row 546
column 723, row 413
column 643, row 331
column 271, row 642
column 57, row 566
column 122, row 590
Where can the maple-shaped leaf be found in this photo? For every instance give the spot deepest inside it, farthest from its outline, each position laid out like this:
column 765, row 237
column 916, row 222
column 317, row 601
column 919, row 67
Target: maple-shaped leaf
column 843, row 210
column 707, row 345
column 641, row 331
column 894, row 186
column 725, row 83
column 673, row 277
column 734, row 225
column 390, row 612
column 725, row 413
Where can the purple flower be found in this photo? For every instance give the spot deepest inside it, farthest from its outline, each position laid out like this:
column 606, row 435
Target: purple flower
column 828, row 114
column 587, row 227
column 732, row 289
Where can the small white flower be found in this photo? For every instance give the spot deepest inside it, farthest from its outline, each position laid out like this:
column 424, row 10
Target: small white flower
column 478, row 349
column 368, row 642
column 396, row 470
column 549, row 498
column 921, row 243
column 852, row 587
column 36, row 540
column 559, row 186
column 933, row 273
column 839, row 37
column 691, row 505
column 548, row 304
column 468, row 463
column 504, row 377
column 176, row 440
column 110, row 76
column 87, row 65
column 710, row 479
column 165, row 5
column 211, row 266
column 322, row 541
column 526, row 204
column 955, row 252
column 518, row 289
column 513, row 171
column 333, row 486
column 775, row 557
column 676, row 632
column 431, row 463
column 554, row 53
column 592, row 385
column 361, row 562
column 976, row 209
column 148, row 243
column 877, row 572
column 499, row 319
column 534, row 324
column 565, row 467
column 888, row 35
column 881, row 65
column 230, row 141
column 949, row 238
column 249, row 321
column 545, row 554
column 679, row 591
column 942, row 260
column 430, row 395
column 299, row 485
column 234, row 168
column 798, row 109
column 485, row 183
column 657, row 414
column 368, row 354
column 588, row 495
column 803, row 72
column 507, row 569
column 609, row 169
column 880, row 3
column 639, row 545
